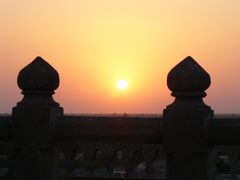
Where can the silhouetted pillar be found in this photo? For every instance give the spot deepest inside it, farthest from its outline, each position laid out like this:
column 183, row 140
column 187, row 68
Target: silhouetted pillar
column 34, row 122
column 184, row 122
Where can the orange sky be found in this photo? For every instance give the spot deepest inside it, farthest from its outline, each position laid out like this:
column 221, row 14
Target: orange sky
column 93, row 43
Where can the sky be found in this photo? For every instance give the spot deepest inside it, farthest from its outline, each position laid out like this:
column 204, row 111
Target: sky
column 94, row 43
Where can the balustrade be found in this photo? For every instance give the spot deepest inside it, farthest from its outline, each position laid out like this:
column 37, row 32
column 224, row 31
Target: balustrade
column 37, row 141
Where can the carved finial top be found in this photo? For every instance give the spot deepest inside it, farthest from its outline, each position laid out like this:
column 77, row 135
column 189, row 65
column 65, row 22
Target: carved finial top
column 188, row 78
column 38, row 76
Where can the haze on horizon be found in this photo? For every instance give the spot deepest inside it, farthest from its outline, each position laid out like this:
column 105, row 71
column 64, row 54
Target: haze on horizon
column 95, row 43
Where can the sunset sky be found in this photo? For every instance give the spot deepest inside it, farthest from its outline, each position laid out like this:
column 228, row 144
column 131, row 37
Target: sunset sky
column 95, row 43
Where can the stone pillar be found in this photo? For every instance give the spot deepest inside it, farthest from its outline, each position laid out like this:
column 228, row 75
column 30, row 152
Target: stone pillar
column 34, row 122
column 184, row 122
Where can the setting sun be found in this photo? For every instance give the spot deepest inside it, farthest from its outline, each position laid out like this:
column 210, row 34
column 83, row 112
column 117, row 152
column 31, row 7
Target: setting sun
column 122, row 84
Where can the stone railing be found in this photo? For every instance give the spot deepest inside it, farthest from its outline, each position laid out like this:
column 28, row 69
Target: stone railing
column 37, row 141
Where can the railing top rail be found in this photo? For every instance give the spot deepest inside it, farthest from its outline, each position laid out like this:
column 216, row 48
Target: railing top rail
column 108, row 129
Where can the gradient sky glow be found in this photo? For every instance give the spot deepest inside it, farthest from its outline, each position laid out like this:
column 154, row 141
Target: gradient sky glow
column 94, row 43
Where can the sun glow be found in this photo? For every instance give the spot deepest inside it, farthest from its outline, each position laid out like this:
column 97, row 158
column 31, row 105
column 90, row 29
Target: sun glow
column 122, row 84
